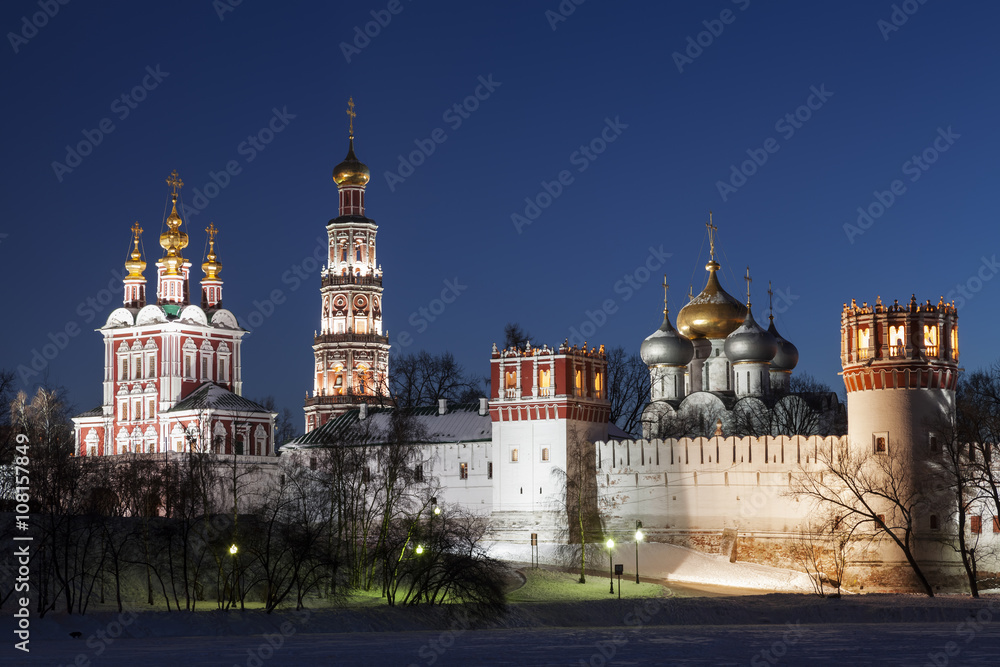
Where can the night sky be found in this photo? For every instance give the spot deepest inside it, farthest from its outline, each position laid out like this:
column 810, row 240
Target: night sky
column 585, row 147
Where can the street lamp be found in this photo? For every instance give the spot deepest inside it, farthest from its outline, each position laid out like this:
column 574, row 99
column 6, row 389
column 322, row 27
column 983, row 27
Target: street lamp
column 638, row 538
column 419, row 550
column 611, row 571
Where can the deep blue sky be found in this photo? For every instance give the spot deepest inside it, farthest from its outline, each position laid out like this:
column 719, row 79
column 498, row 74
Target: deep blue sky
column 652, row 187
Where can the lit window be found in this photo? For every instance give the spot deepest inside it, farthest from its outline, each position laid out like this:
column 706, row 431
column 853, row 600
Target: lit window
column 463, row 471
column 598, row 384
column 954, row 342
column 513, row 455
column 579, row 383
column 545, row 453
column 511, row 379
column 881, row 441
column 930, row 340
column 976, row 524
column 897, row 340
column 864, row 341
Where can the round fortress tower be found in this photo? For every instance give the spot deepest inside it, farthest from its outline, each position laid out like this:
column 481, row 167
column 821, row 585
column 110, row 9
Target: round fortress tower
column 900, row 369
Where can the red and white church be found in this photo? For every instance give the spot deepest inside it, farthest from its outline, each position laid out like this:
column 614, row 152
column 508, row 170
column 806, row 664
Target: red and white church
column 172, row 369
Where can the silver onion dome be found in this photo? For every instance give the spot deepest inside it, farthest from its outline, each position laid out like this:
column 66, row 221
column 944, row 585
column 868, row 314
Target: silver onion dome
column 666, row 347
column 750, row 343
column 787, row 356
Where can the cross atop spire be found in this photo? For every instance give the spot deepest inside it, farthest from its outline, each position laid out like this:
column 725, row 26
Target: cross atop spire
column 212, row 231
column 351, row 114
column 665, row 288
column 749, row 280
column 175, row 182
column 711, row 235
column 136, row 233
column 690, row 292
column 770, row 302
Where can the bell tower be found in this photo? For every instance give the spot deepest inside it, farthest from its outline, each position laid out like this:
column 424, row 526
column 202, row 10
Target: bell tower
column 351, row 349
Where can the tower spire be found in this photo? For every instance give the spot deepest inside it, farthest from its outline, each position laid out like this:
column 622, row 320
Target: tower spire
column 135, row 281
column 351, row 115
column 711, row 235
column 172, row 269
column 749, row 280
column 211, row 284
column 665, row 288
column 770, row 302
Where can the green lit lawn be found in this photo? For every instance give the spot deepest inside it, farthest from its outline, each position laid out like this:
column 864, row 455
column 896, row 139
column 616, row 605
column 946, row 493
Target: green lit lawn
column 548, row 586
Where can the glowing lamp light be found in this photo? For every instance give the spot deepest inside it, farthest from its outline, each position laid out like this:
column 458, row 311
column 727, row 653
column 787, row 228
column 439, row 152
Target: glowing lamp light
column 610, row 543
column 638, row 536
column 419, row 549
column 233, row 550
column 437, row 510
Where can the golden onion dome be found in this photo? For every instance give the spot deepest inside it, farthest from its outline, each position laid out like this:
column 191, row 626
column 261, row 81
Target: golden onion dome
column 212, row 266
column 173, row 241
column 351, row 171
column 135, row 265
column 712, row 314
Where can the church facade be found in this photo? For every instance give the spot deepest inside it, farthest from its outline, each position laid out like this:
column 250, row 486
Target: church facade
column 172, row 369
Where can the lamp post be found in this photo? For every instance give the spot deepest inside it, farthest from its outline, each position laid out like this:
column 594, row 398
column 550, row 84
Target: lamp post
column 638, row 538
column 611, row 564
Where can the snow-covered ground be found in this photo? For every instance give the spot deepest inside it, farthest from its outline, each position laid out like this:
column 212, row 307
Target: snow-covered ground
column 677, row 564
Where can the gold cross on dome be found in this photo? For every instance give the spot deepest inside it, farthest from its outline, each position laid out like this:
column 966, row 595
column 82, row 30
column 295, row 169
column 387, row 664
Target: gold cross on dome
column 212, row 231
column 175, row 181
column 136, row 231
column 351, row 114
column 711, row 235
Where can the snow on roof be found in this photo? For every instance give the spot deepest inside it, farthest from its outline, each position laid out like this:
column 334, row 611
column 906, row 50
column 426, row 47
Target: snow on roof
column 215, row 397
column 460, row 423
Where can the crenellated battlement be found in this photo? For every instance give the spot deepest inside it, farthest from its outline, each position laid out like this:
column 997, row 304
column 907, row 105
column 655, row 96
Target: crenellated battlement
column 767, row 453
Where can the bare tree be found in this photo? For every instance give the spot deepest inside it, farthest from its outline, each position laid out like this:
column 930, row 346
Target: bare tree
column 424, row 378
column 628, row 388
column 579, row 508
column 880, row 495
column 515, row 336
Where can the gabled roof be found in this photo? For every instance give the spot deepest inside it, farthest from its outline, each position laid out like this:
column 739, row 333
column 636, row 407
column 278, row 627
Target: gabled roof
column 210, row 396
column 93, row 412
column 460, row 423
